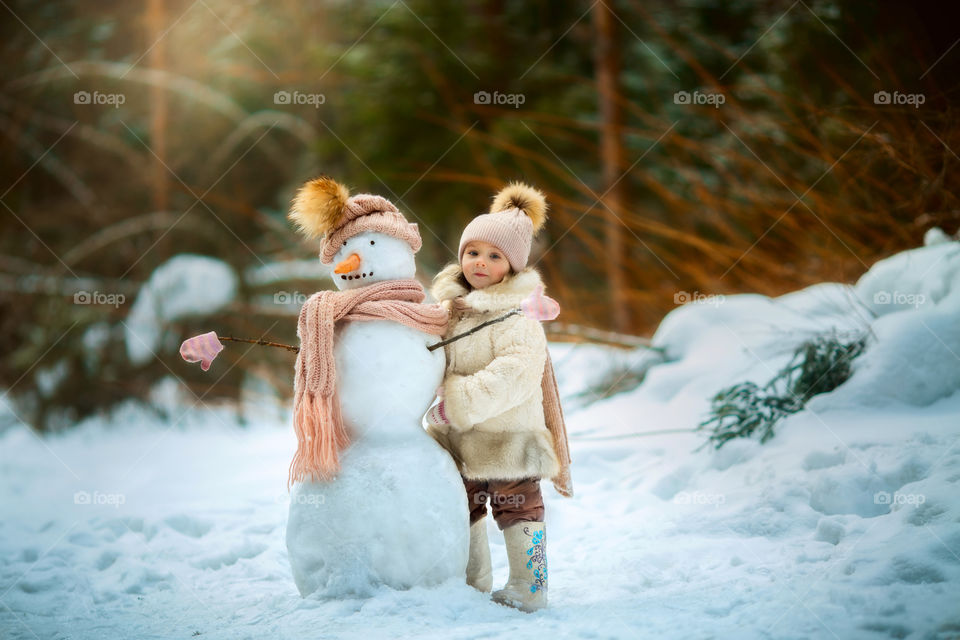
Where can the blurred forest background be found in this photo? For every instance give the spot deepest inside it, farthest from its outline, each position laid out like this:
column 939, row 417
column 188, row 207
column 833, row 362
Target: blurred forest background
column 687, row 149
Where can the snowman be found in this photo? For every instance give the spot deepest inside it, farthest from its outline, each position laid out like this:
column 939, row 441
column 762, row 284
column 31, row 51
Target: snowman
column 374, row 500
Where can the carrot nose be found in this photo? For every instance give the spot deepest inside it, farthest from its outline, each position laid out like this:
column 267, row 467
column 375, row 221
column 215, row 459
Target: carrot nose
column 348, row 265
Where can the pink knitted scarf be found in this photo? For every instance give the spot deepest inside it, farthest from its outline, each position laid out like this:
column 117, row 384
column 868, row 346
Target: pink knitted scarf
column 317, row 419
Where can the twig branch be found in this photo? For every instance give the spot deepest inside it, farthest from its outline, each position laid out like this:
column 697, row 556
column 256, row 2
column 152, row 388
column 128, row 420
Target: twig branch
column 476, row 328
column 266, row 343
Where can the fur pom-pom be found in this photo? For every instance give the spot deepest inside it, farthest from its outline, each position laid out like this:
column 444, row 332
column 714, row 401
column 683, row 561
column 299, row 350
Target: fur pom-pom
column 517, row 195
column 318, row 206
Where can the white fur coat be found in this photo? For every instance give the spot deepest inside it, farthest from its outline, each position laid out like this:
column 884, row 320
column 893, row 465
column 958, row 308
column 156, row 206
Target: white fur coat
column 492, row 387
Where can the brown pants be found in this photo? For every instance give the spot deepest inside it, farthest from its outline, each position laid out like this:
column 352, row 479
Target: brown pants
column 512, row 501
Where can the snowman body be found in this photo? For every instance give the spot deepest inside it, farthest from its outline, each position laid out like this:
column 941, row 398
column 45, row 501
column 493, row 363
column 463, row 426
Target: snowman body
column 396, row 513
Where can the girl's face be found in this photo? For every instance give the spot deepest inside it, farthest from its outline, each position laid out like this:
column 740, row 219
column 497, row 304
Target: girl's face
column 483, row 264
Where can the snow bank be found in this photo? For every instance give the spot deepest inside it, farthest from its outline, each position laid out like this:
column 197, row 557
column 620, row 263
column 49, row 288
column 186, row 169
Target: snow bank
column 908, row 304
column 184, row 285
column 916, row 357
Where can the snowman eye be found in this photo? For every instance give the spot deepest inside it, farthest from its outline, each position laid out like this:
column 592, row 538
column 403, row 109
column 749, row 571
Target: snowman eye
column 344, row 243
column 372, row 242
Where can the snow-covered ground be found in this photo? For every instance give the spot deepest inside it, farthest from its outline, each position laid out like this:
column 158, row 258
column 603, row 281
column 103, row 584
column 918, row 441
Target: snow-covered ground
column 846, row 524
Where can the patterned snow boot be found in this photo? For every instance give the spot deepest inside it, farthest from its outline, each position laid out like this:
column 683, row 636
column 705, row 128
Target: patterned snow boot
column 526, row 589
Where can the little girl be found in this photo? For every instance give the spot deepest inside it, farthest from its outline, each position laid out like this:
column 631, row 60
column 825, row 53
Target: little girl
column 499, row 415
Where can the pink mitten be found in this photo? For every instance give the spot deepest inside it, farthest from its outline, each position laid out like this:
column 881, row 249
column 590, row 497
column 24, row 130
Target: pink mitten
column 203, row 349
column 437, row 415
column 539, row 306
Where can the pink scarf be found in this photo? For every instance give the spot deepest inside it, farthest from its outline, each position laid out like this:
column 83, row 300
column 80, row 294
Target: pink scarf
column 317, row 419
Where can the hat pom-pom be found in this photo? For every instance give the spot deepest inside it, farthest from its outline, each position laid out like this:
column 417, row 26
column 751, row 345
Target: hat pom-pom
column 318, row 206
column 518, row 195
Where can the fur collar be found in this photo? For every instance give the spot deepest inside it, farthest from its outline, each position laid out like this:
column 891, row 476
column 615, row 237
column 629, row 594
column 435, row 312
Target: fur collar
column 447, row 284
column 502, row 296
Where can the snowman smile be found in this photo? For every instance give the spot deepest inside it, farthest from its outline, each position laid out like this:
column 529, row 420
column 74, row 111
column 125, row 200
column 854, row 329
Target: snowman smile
column 349, row 265
column 356, row 276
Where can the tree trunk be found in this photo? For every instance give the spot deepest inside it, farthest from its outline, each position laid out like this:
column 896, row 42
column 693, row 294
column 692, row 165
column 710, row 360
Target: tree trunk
column 158, row 105
column 607, row 67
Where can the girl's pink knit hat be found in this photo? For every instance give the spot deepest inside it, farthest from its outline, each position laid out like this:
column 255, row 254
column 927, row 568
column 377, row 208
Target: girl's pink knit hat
column 324, row 207
column 518, row 212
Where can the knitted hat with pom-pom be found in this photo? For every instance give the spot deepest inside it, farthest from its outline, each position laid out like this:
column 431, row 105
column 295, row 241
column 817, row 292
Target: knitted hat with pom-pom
column 518, row 212
column 324, row 207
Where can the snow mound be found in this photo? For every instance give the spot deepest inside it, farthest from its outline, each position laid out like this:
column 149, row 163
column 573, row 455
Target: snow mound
column 913, row 280
column 182, row 286
column 915, row 357
column 908, row 305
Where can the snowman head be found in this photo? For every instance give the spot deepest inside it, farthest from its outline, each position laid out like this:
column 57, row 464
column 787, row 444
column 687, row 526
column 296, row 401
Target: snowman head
column 371, row 257
column 364, row 237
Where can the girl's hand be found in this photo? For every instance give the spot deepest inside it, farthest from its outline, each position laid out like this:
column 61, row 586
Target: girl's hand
column 439, row 391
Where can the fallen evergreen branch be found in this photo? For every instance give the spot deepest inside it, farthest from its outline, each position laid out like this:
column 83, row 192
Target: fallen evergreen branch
column 818, row 365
